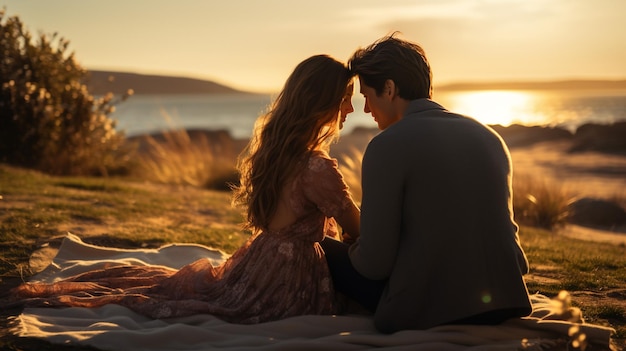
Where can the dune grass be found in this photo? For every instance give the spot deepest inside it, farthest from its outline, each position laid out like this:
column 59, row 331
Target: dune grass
column 350, row 166
column 539, row 202
column 179, row 159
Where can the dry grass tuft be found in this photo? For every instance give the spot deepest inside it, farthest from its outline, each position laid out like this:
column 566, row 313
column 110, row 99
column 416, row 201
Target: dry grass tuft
column 350, row 167
column 539, row 202
column 180, row 160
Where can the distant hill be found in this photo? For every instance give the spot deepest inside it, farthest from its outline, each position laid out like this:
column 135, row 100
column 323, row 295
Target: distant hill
column 102, row 82
column 551, row 85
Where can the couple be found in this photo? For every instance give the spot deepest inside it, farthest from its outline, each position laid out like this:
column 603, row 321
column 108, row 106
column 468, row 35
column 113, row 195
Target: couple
column 433, row 243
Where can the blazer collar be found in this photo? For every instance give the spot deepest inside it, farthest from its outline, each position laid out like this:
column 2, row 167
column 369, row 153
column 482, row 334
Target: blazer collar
column 421, row 105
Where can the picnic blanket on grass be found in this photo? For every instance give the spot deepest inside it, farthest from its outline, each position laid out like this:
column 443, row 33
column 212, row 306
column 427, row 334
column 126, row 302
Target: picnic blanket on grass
column 113, row 327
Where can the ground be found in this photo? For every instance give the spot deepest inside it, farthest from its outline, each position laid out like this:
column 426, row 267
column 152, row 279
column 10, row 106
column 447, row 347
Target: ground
column 592, row 174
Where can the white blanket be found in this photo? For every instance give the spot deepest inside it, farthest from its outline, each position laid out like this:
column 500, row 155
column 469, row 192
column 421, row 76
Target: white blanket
column 113, row 327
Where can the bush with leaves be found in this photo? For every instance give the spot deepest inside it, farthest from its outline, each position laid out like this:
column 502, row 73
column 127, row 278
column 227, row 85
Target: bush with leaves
column 48, row 119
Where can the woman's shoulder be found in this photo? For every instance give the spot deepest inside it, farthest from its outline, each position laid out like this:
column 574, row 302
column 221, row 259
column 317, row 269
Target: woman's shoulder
column 320, row 160
column 320, row 154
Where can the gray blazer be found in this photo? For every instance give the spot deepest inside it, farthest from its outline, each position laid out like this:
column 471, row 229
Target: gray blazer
column 437, row 221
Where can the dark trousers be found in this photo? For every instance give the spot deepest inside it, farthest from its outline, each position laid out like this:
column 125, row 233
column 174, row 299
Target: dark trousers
column 347, row 280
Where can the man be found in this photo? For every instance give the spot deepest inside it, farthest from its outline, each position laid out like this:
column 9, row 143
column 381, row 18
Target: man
column 437, row 228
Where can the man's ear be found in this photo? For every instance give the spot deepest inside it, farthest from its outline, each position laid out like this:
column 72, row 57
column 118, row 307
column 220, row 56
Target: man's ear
column 390, row 90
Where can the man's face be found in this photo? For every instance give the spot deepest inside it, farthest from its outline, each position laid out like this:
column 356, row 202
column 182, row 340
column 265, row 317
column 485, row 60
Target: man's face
column 380, row 107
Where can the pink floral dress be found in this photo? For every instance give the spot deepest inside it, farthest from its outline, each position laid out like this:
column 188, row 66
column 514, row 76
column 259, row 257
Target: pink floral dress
column 274, row 275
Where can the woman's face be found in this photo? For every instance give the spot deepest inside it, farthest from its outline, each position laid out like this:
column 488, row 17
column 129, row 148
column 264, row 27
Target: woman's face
column 346, row 105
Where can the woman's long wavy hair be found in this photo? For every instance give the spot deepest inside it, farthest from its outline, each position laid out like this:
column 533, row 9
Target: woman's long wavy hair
column 303, row 117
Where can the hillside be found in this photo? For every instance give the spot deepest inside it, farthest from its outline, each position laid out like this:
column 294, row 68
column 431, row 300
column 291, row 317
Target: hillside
column 102, row 82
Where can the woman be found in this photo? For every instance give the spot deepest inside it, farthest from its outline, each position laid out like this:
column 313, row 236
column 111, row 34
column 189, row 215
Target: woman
column 293, row 193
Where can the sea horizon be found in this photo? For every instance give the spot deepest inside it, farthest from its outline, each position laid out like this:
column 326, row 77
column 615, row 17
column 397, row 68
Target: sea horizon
column 236, row 113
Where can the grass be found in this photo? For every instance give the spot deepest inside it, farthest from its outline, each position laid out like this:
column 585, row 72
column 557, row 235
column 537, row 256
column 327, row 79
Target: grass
column 350, row 166
column 595, row 274
column 179, row 156
column 539, row 202
column 179, row 160
column 36, row 208
column 167, row 198
column 576, row 264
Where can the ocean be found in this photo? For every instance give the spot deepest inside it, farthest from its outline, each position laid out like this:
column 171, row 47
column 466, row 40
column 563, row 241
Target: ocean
column 142, row 114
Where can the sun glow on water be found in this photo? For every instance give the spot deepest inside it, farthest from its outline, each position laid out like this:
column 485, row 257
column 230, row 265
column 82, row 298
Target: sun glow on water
column 568, row 109
column 496, row 106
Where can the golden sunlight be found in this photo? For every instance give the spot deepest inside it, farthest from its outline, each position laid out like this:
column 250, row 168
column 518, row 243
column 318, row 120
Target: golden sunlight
column 495, row 106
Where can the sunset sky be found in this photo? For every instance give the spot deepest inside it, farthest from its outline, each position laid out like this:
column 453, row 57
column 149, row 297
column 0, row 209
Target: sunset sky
column 254, row 45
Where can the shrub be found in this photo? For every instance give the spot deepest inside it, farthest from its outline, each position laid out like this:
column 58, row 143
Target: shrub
column 48, row 119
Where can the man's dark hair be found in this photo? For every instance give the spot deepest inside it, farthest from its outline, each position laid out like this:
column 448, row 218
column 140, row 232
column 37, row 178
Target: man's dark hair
column 399, row 60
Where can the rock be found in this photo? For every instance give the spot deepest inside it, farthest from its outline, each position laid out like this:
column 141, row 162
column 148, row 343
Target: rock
column 599, row 137
column 596, row 212
column 519, row 135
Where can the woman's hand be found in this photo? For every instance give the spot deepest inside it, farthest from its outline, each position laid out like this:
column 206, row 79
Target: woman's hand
column 349, row 222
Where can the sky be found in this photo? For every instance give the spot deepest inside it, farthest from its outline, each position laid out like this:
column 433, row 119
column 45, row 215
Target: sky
column 254, row 45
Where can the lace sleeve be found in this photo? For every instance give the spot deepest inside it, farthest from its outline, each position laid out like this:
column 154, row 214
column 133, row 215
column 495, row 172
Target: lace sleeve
column 323, row 185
